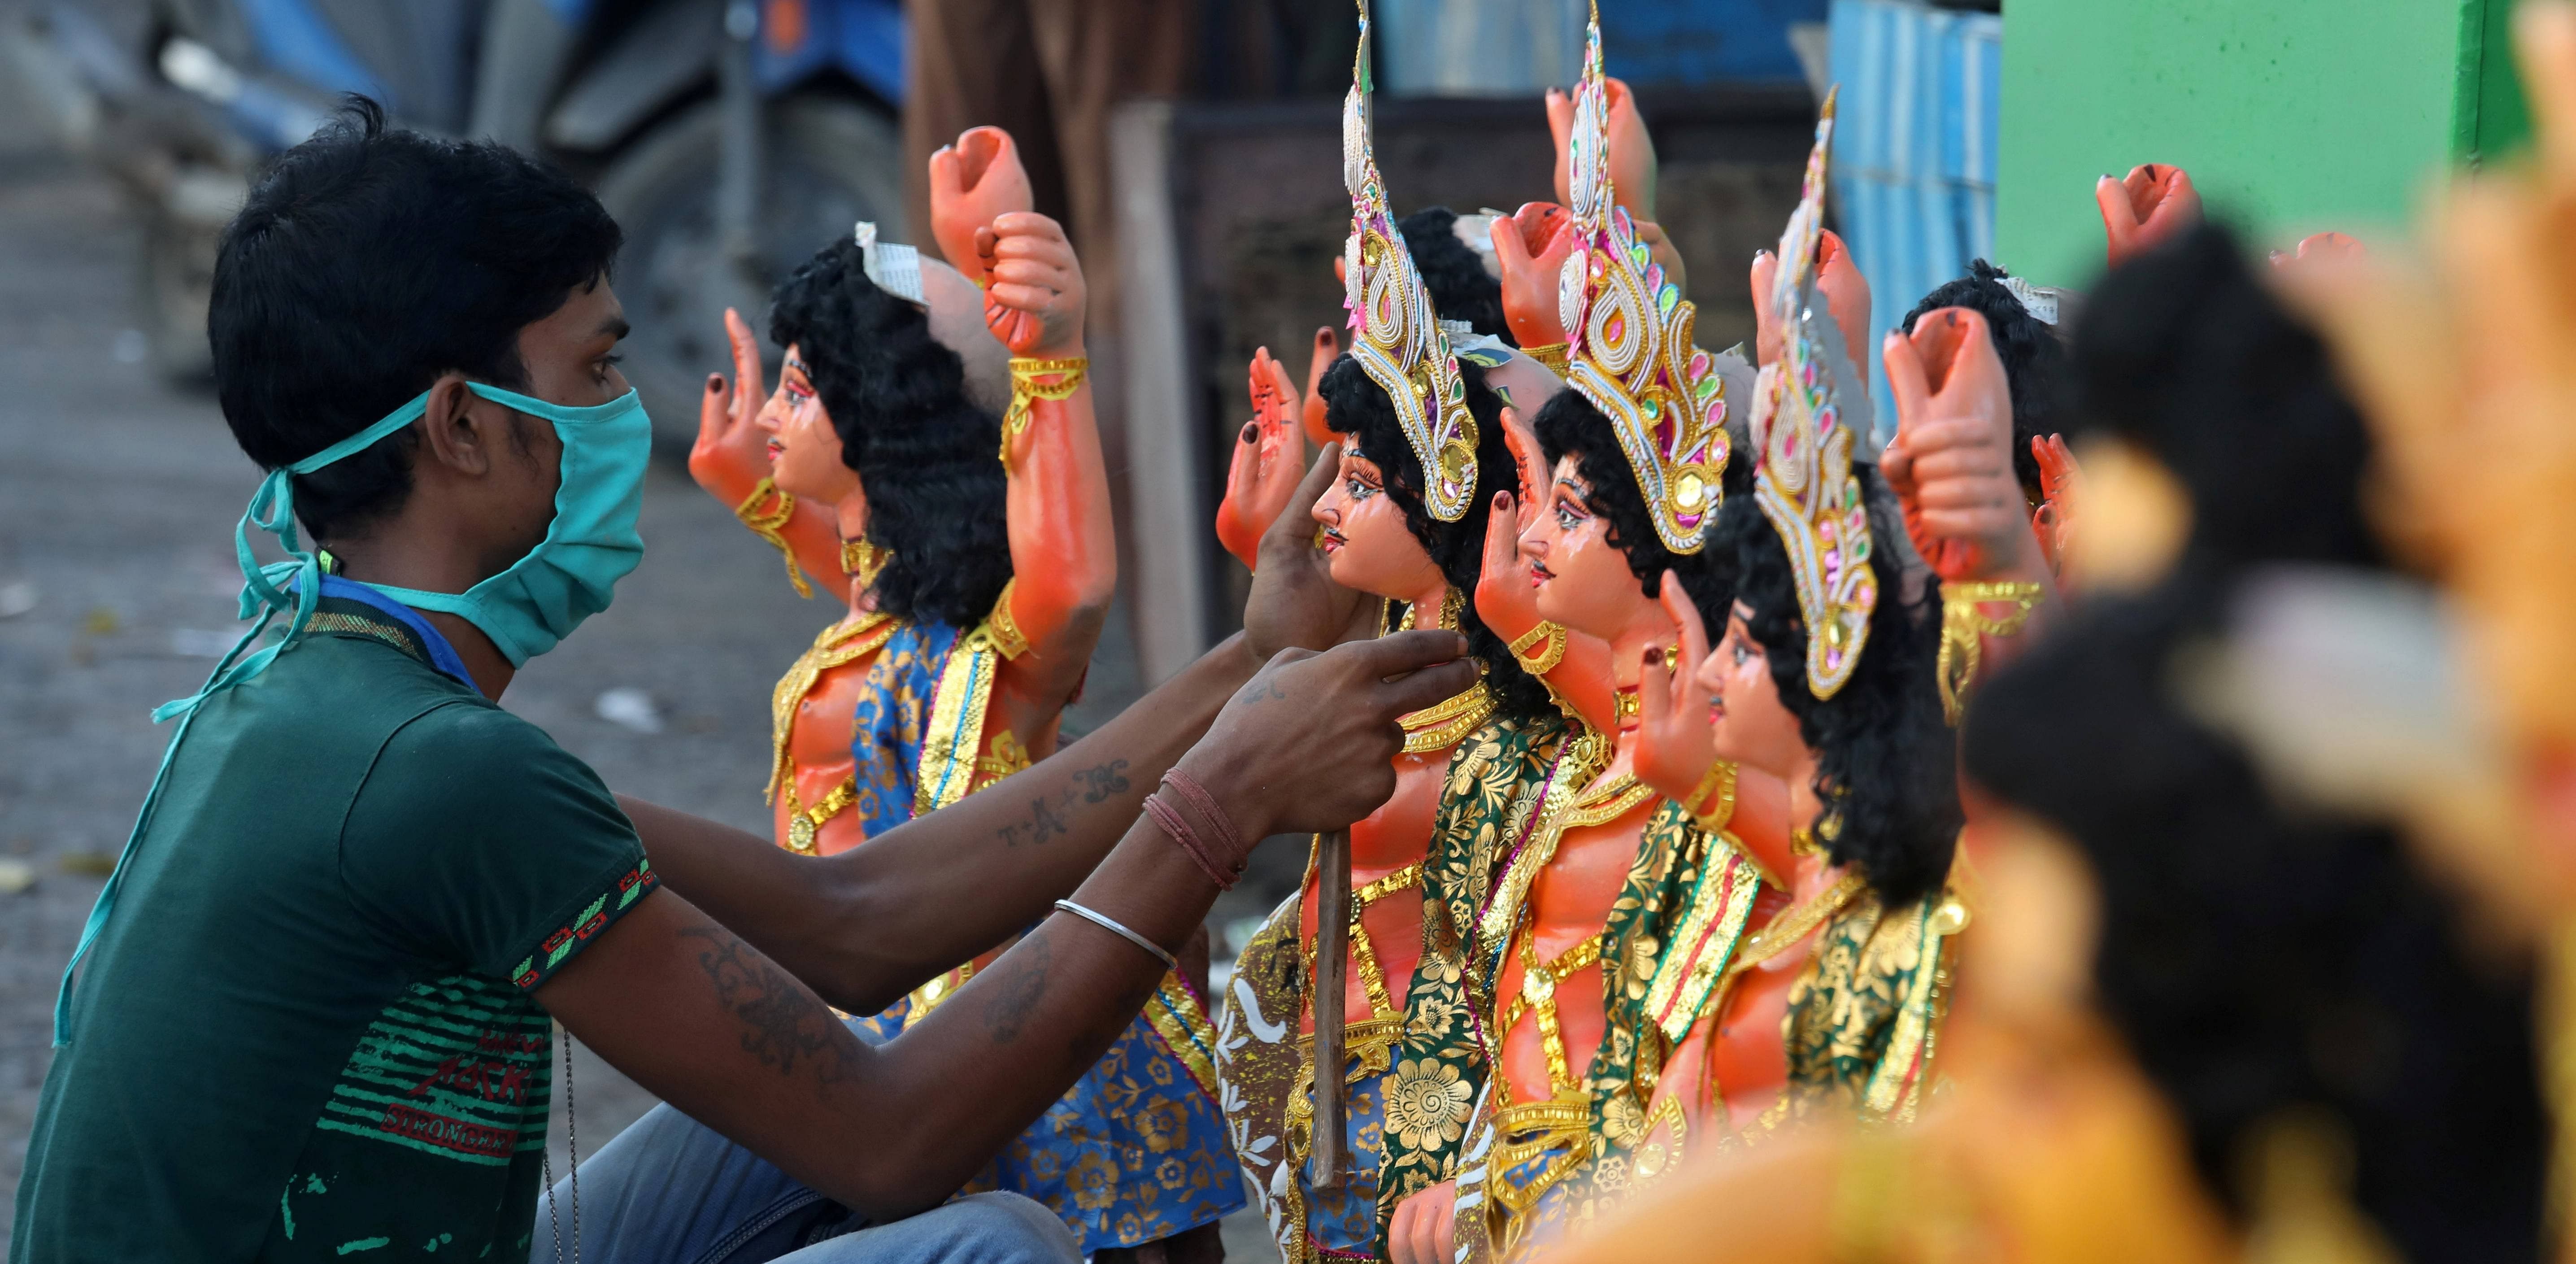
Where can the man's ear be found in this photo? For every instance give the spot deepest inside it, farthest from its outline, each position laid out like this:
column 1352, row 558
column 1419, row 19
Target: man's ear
column 460, row 429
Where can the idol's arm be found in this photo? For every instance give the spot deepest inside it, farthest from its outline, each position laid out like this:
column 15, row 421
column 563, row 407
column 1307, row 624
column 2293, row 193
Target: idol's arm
column 674, row 999
column 1064, row 553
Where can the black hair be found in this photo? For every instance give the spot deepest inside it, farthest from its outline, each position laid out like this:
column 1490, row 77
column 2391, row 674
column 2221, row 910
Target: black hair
column 1886, row 771
column 1355, row 405
column 2034, row 359
column 2258, row 958
column 1568, row 423
column 366, row 262
column 1454, row 273
column 926, row 455
column 2185, row 336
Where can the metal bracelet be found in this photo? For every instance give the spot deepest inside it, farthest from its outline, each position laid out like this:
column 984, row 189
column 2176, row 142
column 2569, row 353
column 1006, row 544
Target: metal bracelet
column 1169, row 961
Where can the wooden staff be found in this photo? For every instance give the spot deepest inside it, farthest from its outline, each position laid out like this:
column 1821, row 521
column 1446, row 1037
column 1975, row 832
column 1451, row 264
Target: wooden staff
column 1330, row 1159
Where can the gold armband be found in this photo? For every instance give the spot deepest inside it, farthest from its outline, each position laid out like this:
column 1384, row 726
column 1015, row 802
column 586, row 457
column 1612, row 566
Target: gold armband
column 1720, row 782
column 1964, row 623
column 1008, row 640
column 770, row 525
column 1557, row 356
column 1546, row 661
column 1026, row 389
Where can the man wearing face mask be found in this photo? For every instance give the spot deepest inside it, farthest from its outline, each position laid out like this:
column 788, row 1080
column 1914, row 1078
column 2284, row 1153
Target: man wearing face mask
column 312, row 1013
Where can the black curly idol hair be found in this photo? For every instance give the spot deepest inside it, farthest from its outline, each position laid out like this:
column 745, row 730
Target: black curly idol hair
column 2034, row 359
column 1455, row 274
column 2256, row 957
column 1357, row 406
column 1886, row 767
column 926, row 455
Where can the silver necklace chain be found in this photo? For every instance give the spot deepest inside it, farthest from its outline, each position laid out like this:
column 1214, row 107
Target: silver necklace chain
column 572, row 1163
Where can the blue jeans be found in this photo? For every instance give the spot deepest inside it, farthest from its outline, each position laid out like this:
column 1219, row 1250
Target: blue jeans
column 670, row 1190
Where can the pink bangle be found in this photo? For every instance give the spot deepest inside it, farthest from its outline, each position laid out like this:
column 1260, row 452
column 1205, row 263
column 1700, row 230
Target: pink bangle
column 1235, row 853
column 1173, row 824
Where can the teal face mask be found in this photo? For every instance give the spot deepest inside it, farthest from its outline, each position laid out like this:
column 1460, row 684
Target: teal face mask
column 592, row 544
column 526, row 610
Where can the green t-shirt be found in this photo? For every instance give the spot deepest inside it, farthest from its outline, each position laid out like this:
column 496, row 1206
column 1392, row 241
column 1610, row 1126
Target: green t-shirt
column 307, row 1031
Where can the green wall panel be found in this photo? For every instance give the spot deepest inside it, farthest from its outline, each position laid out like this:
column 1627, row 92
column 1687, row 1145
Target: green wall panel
column 2291, row 115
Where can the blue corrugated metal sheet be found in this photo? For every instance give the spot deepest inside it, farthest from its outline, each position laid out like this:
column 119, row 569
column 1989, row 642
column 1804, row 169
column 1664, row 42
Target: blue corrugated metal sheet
column 1914, row 152
column 1516, row 47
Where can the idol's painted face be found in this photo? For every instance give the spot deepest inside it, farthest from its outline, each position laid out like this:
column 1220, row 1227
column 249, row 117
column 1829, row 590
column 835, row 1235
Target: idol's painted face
column 804, row 449
column 1365, row 539
column 1583, row 579
column 1750, row 724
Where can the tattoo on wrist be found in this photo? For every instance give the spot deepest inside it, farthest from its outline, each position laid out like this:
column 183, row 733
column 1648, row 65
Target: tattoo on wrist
column 781, row 1022
column 1018, row 993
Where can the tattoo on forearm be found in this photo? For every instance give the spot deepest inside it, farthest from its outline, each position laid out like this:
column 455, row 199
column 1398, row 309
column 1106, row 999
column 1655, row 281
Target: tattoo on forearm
column 1051, row 815
column 1017, row 994
column 782, row 1023
column 1103, row 780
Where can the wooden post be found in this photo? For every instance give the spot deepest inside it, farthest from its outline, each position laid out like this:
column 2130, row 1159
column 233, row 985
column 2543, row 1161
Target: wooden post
column 1329, row 1162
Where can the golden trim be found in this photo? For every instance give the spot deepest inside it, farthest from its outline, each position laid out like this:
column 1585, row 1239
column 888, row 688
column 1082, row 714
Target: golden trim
column 1896, row 1085
column 1547, row 660
column 1538, row 997
column 1557, row 356
column 841, row 643
column 864, row 561
column 937, row 992
column 1696, row 954
column 804, row 823
column 1026, row 389
column 953, row 740
column 1720, row 781
column 1626, row 704
column 1442, row 725
column 1181, row 1023
column 1582, row 759
column 1004, row 627
column 771, row 526
column 1964, row 627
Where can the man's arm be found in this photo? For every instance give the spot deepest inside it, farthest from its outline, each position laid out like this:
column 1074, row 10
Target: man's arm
column 875, row 922
column 722, row 1032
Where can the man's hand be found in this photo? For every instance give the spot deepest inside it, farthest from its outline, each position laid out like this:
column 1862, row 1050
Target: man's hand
column 1294, row 603
column 1632, row 151
column 1675, row 744
column 974, row 182
column 732, row 451
column 1262, row 477
column 2155, row 202
column 1950, row 464
column 1424, row 1229
column 1034, row 303
column 1310, row 744
column 1530, row 249
column 1328, row 348
column 1846, row 294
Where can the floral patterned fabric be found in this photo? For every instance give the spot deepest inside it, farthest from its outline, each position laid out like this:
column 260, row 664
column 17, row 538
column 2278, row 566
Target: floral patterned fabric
column 1865, row 1014
column 1137, row 1150
column 1497, row 778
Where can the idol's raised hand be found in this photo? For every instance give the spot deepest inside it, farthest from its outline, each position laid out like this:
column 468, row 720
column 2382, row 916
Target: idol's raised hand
column 1846, row 294
column 1294, row 603
column 1530, row 248
column 2154, row 203
column 1262, row 477
column 1676, row 746
column 1632, row 151
column 1328, row 348
column 2061, row 483
column 1034, row 301
column 1950, row 464
column 974, row 182
column 732, row 451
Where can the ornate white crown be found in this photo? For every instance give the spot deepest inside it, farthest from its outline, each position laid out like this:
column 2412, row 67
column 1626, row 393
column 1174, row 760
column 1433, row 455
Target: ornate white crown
column 1630, row 329
column 1804, row 480
column 1400, row 343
